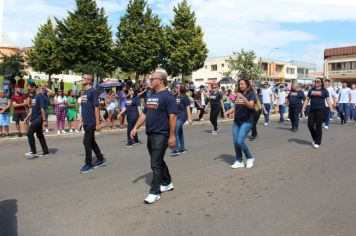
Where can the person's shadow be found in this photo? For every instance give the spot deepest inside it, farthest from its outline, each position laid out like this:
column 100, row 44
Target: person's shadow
column 229, row 159
column 147, row 177
column 8, row 219
column 299, row 141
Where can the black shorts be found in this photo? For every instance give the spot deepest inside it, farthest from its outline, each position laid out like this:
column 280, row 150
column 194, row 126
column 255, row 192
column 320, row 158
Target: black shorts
column 19, row 117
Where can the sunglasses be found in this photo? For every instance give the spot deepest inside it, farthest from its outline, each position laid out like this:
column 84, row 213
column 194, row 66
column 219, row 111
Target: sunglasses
column 317, row 81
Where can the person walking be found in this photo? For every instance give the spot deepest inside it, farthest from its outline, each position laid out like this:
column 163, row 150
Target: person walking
column 332, row 95
column 91, row 123
column 19, row 102
column 216, row 104
column 5, row 104
column 200, row 100
column 122, row 96
column 75, row 89
column 132, row 110
column 266, row 93
column 281, row 102
column 72, row 111
column 257, row 114
column 60, row 109
column 344, row 103
column 295, row 101
column 317, row 97
column 37, row 118
column 353, row 102
column 243, row 108
column 160, row 114
column 183, row 115
column 61, row 85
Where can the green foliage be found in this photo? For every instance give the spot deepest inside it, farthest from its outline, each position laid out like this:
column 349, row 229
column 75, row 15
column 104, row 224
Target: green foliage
column 86, row 39
column 244, row 62
column 44, row 55
column 185, row 49
column 139, row 39
column 11, row 65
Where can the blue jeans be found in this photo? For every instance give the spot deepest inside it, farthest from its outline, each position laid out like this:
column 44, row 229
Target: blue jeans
column 239, row 134
column 327, row 116
column 344, row 109
column 353, row 111
column 179, row 136
column 268, row 108
column 282, row 110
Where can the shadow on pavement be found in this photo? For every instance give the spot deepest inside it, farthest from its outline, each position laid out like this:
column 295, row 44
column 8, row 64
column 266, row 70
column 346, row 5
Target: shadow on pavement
column 8, row 219
column 299, row 141
column 53, row 150
column 229, row 159
column 147, row 177
column 283, row 128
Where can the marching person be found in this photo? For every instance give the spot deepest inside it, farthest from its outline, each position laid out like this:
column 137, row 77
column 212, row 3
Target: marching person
column 266, row 93
column 37, row 118
column 91, row 123
column 216, row 104
column 317, row 97
column 257, row 114
column 344, row 103
column 295, row 101
column 200, row 100
column 332, row 95
column 160, row 114
column 243, row 120
column 281, row 102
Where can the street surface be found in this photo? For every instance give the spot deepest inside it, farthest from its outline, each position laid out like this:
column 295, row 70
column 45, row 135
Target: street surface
column 292, row 190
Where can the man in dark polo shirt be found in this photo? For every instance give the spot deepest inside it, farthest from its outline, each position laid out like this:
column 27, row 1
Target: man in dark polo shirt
column 19, row 102
column 91, row 123
column 160, row 114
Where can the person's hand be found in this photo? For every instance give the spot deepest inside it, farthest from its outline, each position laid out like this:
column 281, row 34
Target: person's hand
column 133, row 133
column 45, row 123
column 190, row 122
column 303, row 111
column 26, row 120
column 97, row 128
column 332, row 109
column 239, row 95
column 172, row 141
column 225, row 115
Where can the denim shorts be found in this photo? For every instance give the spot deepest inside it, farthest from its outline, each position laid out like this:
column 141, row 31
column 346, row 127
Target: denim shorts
column 5, row 119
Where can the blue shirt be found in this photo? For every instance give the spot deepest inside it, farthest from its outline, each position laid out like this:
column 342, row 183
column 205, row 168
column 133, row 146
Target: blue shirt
column 242, row 113
column 317, row 98
column 122, row 96
column 215, row 100
column 132, row 105
column 37, row 102
column 296, row 98
column 158, row 108
column 182, row 104
column 89, row 101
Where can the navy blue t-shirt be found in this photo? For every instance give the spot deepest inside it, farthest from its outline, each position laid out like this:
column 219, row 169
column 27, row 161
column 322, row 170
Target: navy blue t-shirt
column 90, row 100
column 158, row 108
column 131, row 107
column 37, row 102
column 182, row 103
column 47, row 101
column 296, row 98
column 317, row 98
column 242, row 113
column 215, row 100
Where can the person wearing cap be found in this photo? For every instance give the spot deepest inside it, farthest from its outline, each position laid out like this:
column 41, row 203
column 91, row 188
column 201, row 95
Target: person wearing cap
column 37, row 118
column 160, row 114
column 266, row 93
column 200, row 101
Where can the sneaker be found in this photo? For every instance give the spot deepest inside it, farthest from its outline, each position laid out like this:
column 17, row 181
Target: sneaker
column 85, row 169
column 217, row 131
column 201, row 120
column 138, row 143
column 295, row 130
column 58, row 132
column 47, row 130
column 42, row 154
column 316, row 146
column 128, row 145
column 71, row 131
column 326, row 127
column 77, row 131
column 63, row 132
column 33, row 156
column 249, row 163
column 151, row 198
column 183, row 151
column 237, row 164
column 313, row 143
column 266, row 123
column 29, row 153
column 167, row 188
column 100, row 163
column 174, row 153
column 214, row 133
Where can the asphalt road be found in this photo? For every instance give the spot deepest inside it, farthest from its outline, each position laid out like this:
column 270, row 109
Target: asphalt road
column 292, row 190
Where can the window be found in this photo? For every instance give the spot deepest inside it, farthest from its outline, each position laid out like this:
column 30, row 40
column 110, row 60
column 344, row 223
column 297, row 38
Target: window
column 212, row 79
column 264, row 66
column 222, row 65
column 290, row 71
column 206, row 67
column 214, row 67
column 198, row 80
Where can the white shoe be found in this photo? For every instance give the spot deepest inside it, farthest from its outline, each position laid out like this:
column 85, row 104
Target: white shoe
column 266, row 124
column 77, row 131
column 249, row 163
column 167, row 188
column 63, row 132
column 151, row 198
column 313, row 143
column 237, row 164
column 326, row 127
column 58, row 132
column 71, row 131
column 201, row 120
column 47, row 130
column 316, row 146
column 214, row 133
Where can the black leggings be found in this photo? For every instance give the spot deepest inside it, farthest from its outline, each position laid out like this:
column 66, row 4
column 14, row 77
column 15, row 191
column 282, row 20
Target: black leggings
column 214, row 114
column 256, row 117
column 315, row 122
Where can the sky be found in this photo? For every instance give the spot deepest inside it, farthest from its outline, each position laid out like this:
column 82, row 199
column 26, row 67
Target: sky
column 274, row 29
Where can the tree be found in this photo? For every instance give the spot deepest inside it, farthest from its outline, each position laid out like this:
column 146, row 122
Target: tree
column 244, row 62
column 186, row 49
column 85, row 38
column 139, row 39
column 11, row 65
column 44, row 55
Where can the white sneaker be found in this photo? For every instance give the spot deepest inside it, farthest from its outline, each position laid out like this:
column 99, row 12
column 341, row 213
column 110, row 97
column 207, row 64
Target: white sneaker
column 151, row 198
column 249, row 163
column 71, row 131
column 313, row 143
column 316, row 146
column 77, row 131
column 214, row 133
column 266, row 124
column 58, row 132
column 201, row 120
column 169, row 187
column 47, row 130
column 237, row 164
column 63, row 132
column 326, row 127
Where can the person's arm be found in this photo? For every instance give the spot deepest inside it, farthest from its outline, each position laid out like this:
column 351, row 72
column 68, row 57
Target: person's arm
column 97, row 119
column 139, row 123
column 189, row 115
column 306, row 102
column 222, row 105
column 231, row 111
column 270, row 97
column 122, row 111
column 172, row 130
column 330, row 104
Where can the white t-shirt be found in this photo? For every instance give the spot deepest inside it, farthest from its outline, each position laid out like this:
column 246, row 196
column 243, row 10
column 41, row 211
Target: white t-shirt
column 332, row 94
column 61, row 100
column 345, row 95
column 266, row 95
column 353, row 96
column 202, row 98
column 282, row 97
